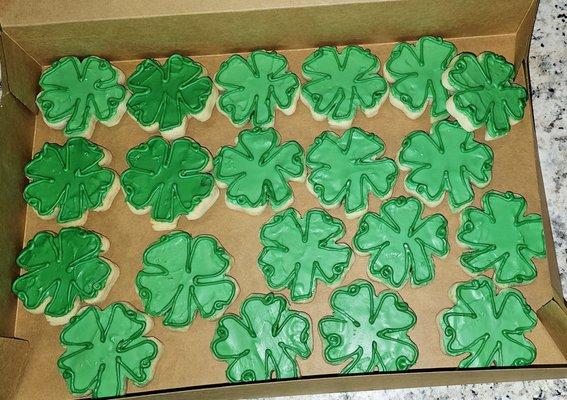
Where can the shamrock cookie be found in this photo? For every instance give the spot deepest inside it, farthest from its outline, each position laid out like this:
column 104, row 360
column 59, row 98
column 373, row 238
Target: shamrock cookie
column 257, row 170
column 447, row 160
column 340, row 82
column 66, row 181
column 298, row 251
column 169, row 180
column 165, row 97
column 484, row 93
column 368, row 330
column 252, row 88
column 63, row 270
column 346, row 169
column 401, row 243
column 502, row 238
column 487, row 326
column 414, row 72
column 184, row 275
column 105, row 348
column 264, row 341
column 76, row 94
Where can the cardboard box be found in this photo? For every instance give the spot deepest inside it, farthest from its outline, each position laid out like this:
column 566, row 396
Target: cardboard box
column 34, row 34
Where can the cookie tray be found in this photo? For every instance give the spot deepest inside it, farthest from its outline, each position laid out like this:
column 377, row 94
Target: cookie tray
column 34, row 34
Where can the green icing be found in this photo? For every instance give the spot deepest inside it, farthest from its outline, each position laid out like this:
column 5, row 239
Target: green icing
column 414, row 72
column 264, row 341
column 502, row 238
column 257, row 169
column 484, row 92
column 106, row 348
column 298, row 251
column 348, row 168
column 448, row 160
column 339, row 82
column 76, row 93
column 168, row 178
column 402, row 243
column 489, row 327
column 183, row 275
column 254, row 86
column 368, row 330
column 68, row 180
column 165, row 95
column 62, row 270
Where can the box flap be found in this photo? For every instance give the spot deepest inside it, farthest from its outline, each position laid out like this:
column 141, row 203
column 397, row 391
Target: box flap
column 553, row 315
column 13, row 357
column 524, row 34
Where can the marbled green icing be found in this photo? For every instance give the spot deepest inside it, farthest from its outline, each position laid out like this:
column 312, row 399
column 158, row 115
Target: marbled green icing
column 264, row 341
column 401, row 243
column 368, row 330
column 487, row 326
column 299, row 251
column 502, row 238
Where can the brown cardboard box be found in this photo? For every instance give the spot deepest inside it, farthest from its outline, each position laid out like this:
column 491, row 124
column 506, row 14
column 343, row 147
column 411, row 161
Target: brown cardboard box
column 36, row 33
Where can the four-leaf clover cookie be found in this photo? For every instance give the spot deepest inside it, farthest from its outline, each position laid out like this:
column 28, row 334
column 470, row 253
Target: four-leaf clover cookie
column 298, row 251
column 184, row 275
column 340, row 82
column 252, row 88
column 401, row 243
column 165, row 97
column 447, row 160
column 76, row 94
column 487, row 326
column 368, row 330
column 503, row 238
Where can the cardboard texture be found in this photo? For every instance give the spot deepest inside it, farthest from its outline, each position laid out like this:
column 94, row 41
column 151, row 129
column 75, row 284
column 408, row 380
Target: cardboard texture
column 186, row 361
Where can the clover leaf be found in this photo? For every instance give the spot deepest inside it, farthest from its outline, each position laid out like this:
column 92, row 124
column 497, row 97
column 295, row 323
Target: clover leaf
column 106, row 348
column 75, row 94
column 369, row 330
column 264, row 341
column 487, row 326
column 253, row 87
column 68, row 180
column 169, row 180
column 340, row 82
column 402, row 243
column 184, row 275
column 164, row 96
column 299, row 251
column 347, row 169
column 447, row 160
column 502, row 238
column 484, row 93
column 257, row 169
column 414, row 72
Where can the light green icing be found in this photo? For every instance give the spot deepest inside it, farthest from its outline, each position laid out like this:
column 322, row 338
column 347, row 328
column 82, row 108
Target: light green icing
column 169, row 178
column 402, row 243
column 502, row 238
column 62, row 270
column 264, row 341
column 447, row 160
column 165, row 95
column 484, row 92
column 347, row 169
column 106, row 348
column 339, row 82
column 253, row 87
column 74, row 92
column 368, row 330
column 184, row 275
column 68, row 180
column 489, row 327
column 299, row 251
column 416, row 70
column 258, row 168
